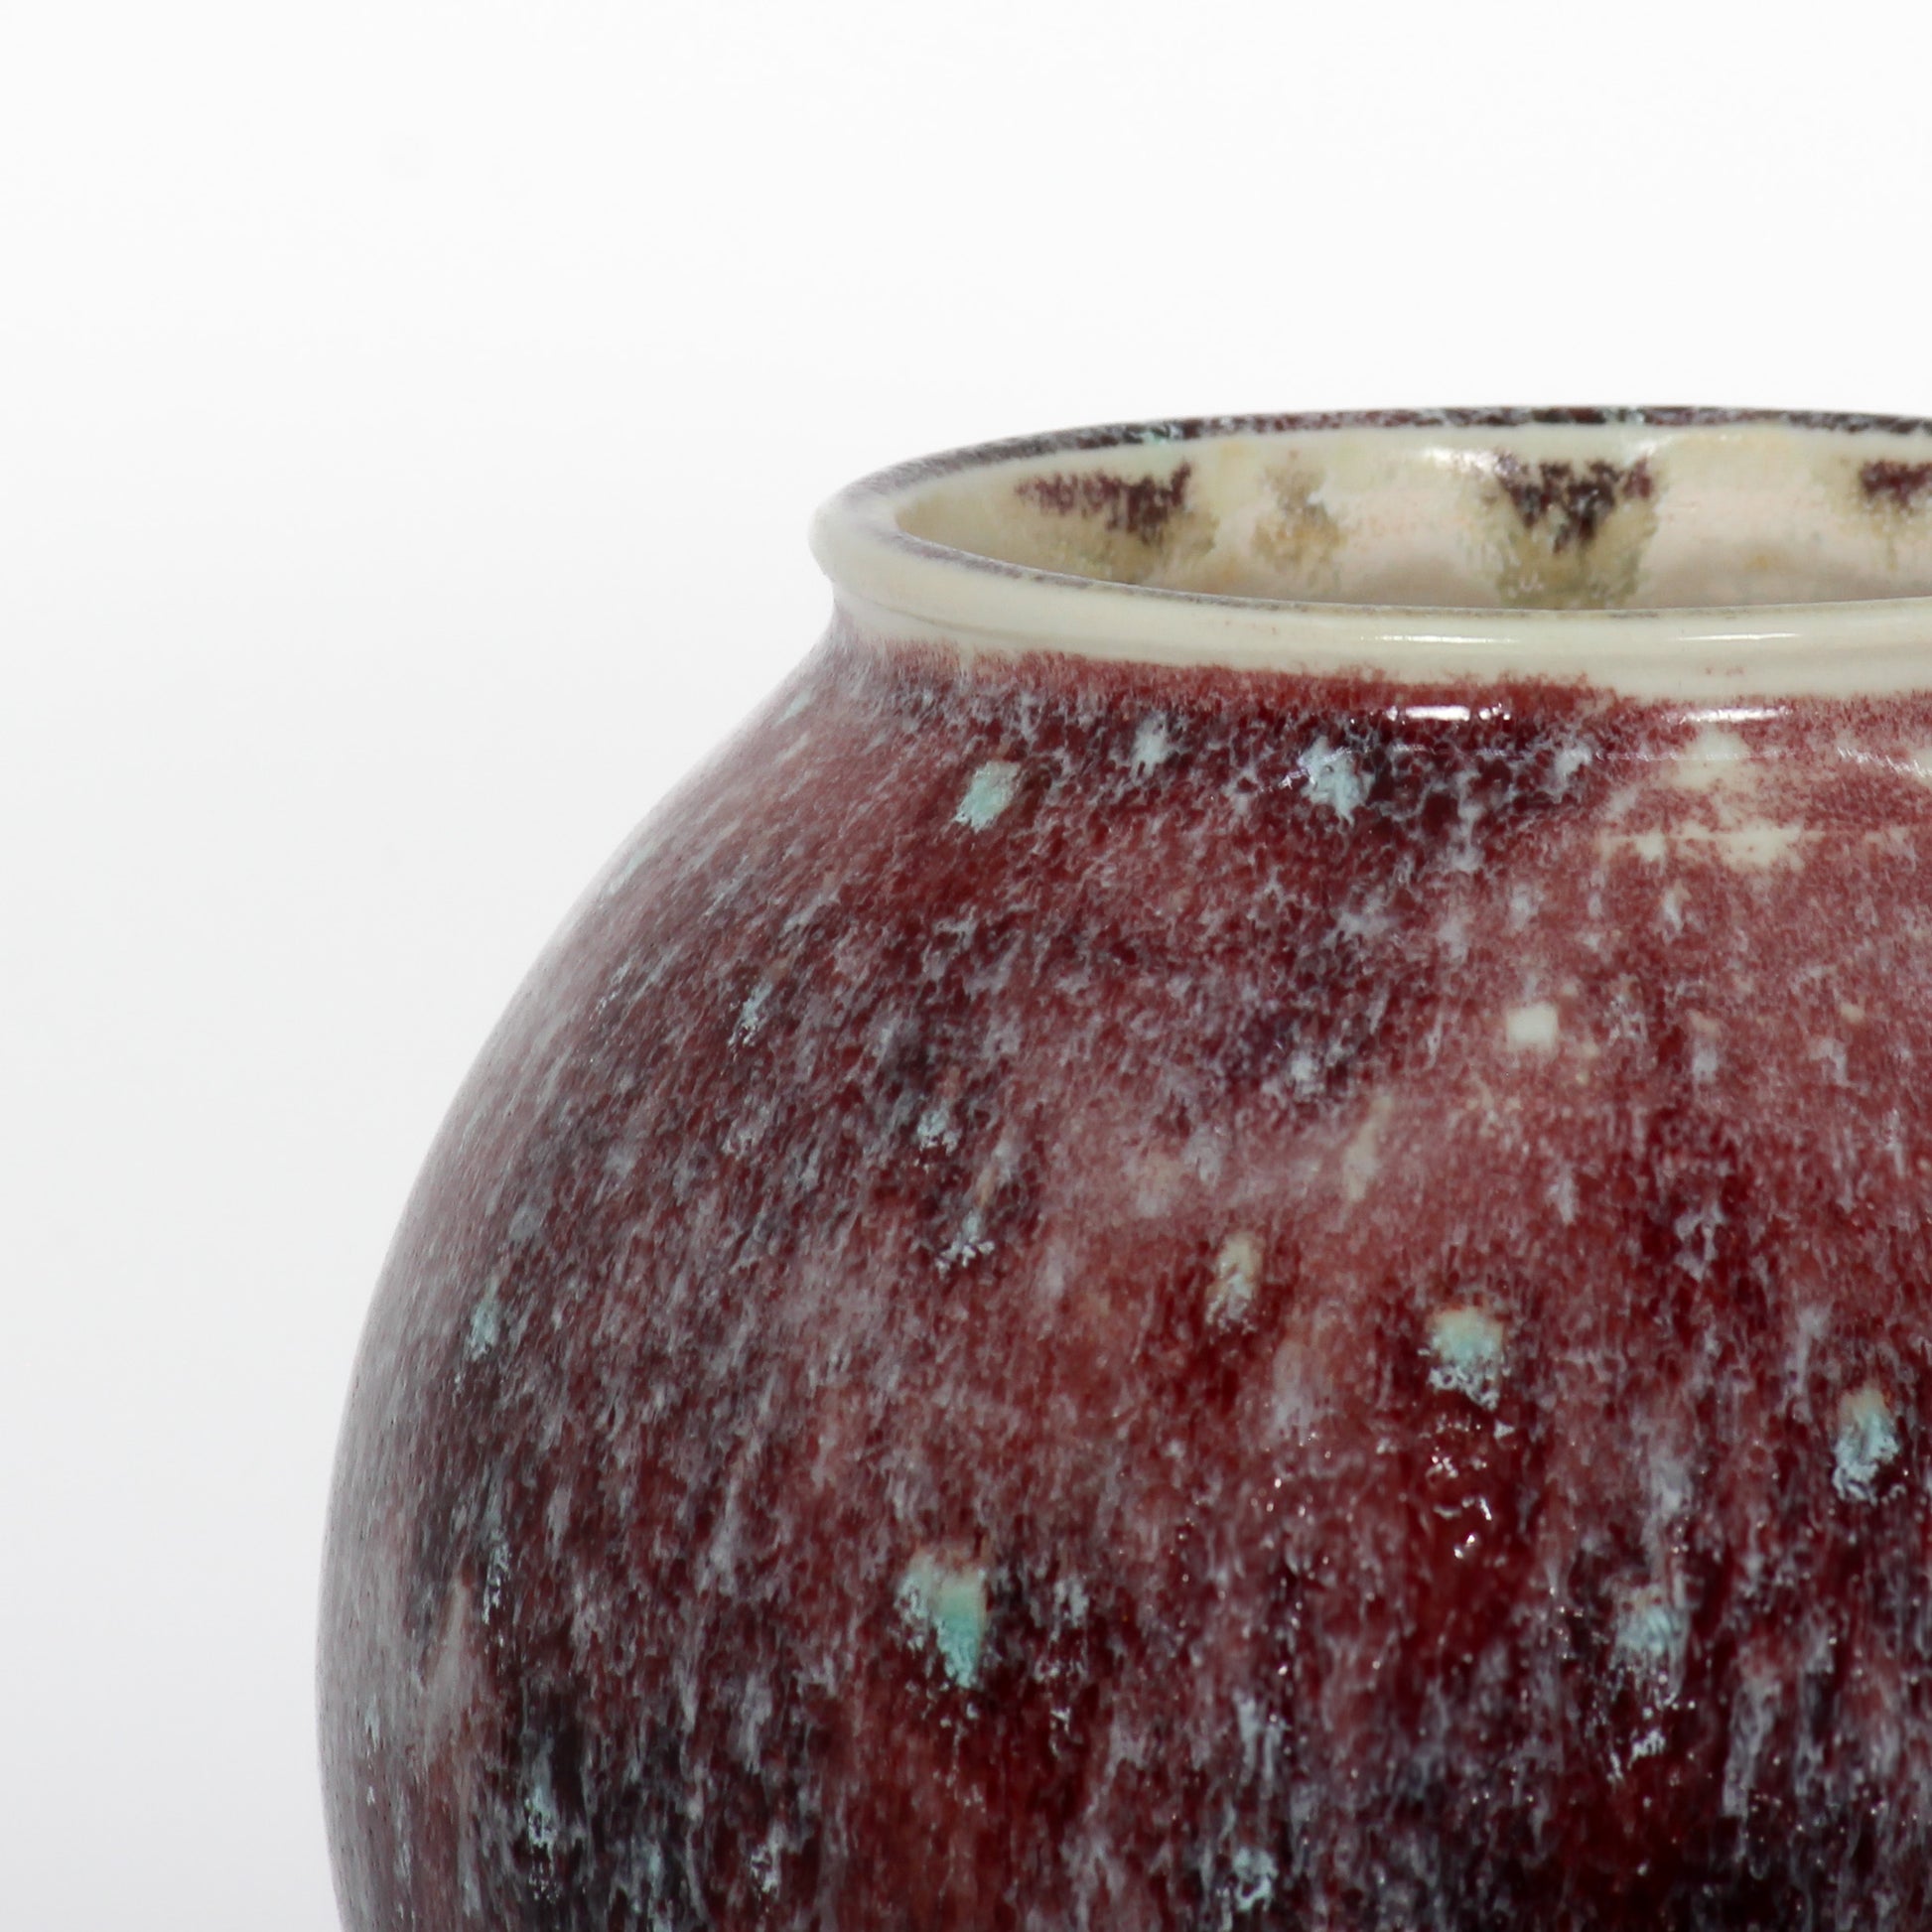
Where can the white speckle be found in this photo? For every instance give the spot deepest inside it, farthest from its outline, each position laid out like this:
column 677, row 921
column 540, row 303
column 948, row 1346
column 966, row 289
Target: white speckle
column 496, row 1576
column 541, row 1823
column 1749, row 845
column 1562, row 1196
column 1295, row 1387
column 1569, row 760
column 1919, row 763
column 1206, row 1152
column 1254, row 1873
column 1332, row 778
column 1369, row 921
column 485, row 1326
column 1467, row 1343
column 1868, row 1439
column 1151, row 746
column 1361, row 1159
column 991, row 791
column 1671, row 908
column 1832, row 1053
column 1237, row 1274
column 764, row 1861
column 1758, row 846
column 751, row 1016
column 1705, row 1058
column 969, row 1244
column 1648, row 1745
column 1070, row 1600
column 1713, row 758
column 1851, row 1012
column 1464, row 855
column 1524, row 902
column 947, row 1602
column 936, row 1127
column 1697, row 1233
column 1531, row 1027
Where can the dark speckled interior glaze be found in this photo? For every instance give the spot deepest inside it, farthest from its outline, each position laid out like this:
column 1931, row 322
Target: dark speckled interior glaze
column 1181, row 1250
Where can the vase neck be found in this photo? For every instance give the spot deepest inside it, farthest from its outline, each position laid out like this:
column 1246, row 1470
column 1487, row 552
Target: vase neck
column 1718, row 556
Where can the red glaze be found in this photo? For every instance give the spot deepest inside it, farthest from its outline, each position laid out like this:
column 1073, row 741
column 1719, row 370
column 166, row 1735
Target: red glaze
column 1107, row 1297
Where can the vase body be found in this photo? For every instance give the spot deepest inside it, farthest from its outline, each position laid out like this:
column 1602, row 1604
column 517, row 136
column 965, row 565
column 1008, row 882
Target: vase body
column 1093, row 1292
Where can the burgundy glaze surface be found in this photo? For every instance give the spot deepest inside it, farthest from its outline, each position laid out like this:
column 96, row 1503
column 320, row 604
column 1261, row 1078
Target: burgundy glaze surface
column 1094, row 1295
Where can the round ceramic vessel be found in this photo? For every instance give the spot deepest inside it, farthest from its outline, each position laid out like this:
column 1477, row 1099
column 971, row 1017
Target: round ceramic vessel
column 1232, row 1228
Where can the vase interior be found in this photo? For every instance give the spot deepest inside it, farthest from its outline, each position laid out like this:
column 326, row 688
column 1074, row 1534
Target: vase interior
column 1619, row 512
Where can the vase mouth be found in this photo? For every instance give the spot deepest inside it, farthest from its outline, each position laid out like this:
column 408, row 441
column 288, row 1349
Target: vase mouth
column 1655, row 550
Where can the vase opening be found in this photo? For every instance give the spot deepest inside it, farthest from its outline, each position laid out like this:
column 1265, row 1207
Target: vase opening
column 1616, row 511
column 1663, row 551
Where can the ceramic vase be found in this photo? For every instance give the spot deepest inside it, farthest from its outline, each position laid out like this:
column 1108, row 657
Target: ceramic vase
column 1231, row 1229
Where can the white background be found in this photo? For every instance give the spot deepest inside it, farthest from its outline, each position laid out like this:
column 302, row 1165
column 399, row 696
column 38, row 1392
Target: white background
column 409, row 416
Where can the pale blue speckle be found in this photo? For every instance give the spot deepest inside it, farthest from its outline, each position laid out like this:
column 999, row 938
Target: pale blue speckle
column 1467, row 1345
column 1254, row 1873
column 485, row 1326
column 991, row 791
column 1652, row 1632
column 1868, row 1439
column 947, row 1602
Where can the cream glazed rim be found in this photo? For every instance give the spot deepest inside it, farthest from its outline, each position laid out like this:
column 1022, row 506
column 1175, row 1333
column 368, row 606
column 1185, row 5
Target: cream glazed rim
column 1710, row 555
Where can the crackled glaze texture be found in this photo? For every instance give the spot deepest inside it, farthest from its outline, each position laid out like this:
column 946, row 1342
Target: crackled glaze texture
column 1147, row 1296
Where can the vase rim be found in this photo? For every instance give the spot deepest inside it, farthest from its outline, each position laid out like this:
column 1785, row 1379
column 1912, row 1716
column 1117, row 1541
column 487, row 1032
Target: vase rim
column 1555, row 505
